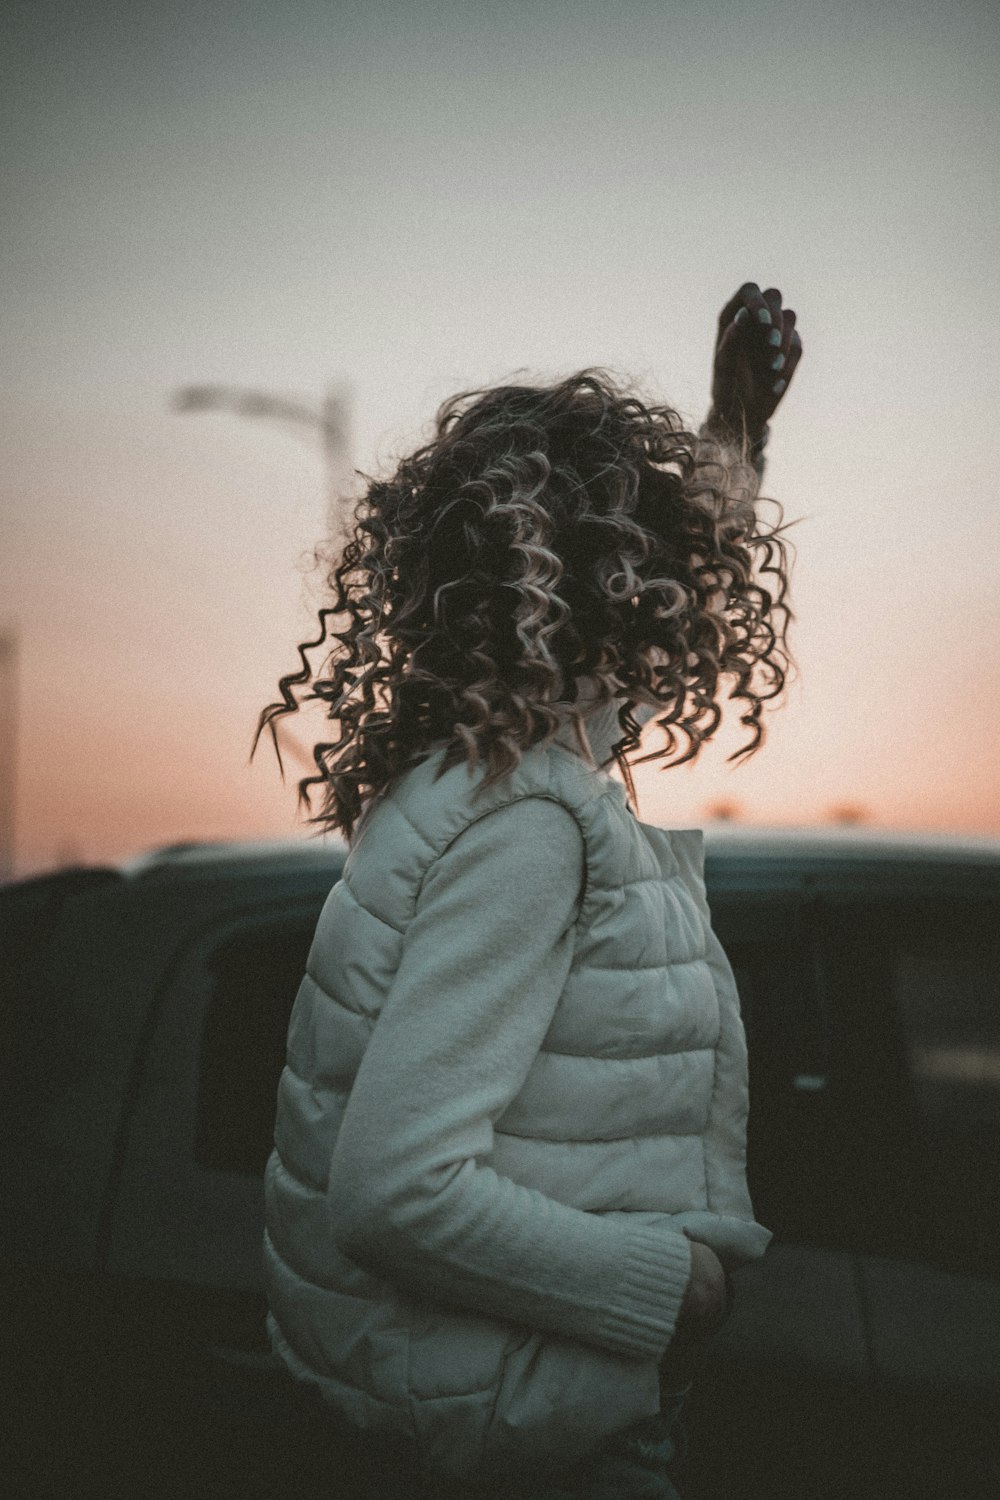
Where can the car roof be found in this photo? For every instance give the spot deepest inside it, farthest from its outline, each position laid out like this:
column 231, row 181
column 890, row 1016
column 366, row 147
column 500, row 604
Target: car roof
column 235, row 857
column 847, row 860
column 847, row 857
column 840, row 842
column 801, row 846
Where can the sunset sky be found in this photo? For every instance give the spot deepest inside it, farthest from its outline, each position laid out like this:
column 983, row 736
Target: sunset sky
column 418, row 197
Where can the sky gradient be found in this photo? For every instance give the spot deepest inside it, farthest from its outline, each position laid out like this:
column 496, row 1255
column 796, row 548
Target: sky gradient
column 421, row 197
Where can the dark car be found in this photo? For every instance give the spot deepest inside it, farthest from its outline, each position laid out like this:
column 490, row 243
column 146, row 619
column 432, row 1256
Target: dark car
column 144, row 1018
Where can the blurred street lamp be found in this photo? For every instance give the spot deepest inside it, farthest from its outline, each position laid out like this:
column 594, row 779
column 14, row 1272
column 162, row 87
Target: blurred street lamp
column 847, row 813
column 332, row 420
column 723, row 811
column 8, row 751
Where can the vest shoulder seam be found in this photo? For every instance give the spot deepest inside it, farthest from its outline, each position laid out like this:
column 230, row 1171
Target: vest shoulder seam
column 354, row 897
column 522, row 796
column 328, row 994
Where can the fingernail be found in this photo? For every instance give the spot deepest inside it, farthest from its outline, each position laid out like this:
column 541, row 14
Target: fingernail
column 742, row 315
column 774, row 337
column 778, row 362
column 764, row 314
column 778, row 387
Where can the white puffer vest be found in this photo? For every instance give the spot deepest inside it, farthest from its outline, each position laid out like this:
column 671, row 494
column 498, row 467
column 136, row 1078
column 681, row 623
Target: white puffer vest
column 474, row 1393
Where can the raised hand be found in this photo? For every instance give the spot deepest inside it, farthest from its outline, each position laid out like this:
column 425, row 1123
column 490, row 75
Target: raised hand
column 757, row 350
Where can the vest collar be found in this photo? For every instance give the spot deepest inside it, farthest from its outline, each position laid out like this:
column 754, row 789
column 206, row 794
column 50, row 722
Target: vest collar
column 601, row 723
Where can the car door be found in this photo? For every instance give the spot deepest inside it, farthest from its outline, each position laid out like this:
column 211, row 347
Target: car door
column 200, row 1394
column 802, row 1298
column 919, row 981
column 189, row 1200
column 791, row 1366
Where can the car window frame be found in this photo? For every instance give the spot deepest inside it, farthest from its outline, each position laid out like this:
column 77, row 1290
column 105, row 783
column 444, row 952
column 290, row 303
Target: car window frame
column 170, row 1217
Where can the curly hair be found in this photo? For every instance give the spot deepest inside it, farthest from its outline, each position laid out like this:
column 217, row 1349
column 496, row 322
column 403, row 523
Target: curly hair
column 545, row 532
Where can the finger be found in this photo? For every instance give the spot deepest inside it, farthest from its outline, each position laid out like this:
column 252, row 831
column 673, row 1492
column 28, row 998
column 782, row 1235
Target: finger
column 769, row 345
column 772, row 301
column 736, row 301
column 778, row 362
column 751, row 335
column 761, row 317
column 772, row 297
column 730, row 1293
column 793, row 345
column 733, row 344
column 794, row 355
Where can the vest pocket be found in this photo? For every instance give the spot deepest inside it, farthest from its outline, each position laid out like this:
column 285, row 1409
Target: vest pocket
column 453, row 1352
column 490, row 1396
column 455, row 1363
column 559, row 1401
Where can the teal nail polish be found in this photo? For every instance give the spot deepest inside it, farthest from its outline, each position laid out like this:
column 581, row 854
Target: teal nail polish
column 774, row 337
column 778, row 387
column 778, row 362
column 764, row 316
column 742, row 315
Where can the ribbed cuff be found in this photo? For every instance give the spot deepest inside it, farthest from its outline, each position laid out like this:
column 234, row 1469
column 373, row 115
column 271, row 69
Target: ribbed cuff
column 647, row 1299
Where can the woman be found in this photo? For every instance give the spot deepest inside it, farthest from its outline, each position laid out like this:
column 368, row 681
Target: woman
column 508, row 1182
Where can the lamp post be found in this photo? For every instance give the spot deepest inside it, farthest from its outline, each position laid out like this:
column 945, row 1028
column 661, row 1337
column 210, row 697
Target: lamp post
column 334, row 425
column 332, row 420
column 8, row 751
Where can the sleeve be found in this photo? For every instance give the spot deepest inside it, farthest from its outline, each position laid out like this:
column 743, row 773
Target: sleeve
column 412, row 1196
column 727, row 1179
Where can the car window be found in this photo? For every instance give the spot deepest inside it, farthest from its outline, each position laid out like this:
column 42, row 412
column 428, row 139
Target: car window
column 946, row 983
column 254, row 978
column 189, row 1194
column 29, row 913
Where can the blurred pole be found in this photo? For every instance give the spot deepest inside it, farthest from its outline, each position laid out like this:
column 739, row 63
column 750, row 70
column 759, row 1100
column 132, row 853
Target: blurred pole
column 8, row 752
column 335, row 422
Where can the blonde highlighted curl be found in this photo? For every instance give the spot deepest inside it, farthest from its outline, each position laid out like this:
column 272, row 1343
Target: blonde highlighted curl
column 544, row 533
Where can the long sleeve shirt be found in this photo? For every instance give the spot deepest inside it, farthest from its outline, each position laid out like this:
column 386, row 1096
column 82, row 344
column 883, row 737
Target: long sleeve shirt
column 411, row 1193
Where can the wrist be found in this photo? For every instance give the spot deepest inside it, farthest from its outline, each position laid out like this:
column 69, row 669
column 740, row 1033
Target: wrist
column 757, row 443
column 737, row 433
column 735, row 427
